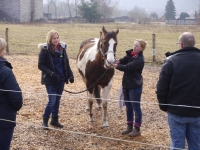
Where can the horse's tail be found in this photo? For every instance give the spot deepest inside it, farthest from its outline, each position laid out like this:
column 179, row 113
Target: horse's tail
column 97, row 90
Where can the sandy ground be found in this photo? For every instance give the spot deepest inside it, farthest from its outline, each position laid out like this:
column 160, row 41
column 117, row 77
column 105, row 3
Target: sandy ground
column 78, row 132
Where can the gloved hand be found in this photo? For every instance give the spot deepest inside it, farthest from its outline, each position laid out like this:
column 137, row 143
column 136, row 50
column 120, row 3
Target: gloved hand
column 55, row 77
column 71, row 80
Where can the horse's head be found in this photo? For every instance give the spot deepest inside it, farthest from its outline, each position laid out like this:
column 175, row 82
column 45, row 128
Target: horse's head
column 107, row 46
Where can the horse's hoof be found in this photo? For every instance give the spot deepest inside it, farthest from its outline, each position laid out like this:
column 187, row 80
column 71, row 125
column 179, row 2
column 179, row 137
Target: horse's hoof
column 105, row 124
column 87, row 109
column 99, row 108
column 91, row 120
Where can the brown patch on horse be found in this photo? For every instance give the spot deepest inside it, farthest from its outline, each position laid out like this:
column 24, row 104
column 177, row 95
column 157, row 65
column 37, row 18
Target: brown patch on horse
column 85, row 45
column 94, row 71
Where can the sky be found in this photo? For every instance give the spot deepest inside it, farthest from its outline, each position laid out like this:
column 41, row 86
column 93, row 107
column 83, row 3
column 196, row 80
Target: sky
column 158, row 6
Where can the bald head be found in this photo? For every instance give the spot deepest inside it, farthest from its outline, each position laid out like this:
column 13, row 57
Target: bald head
column 187, row 39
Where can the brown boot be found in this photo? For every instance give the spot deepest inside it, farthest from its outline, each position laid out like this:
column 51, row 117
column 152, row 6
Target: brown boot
column 128, row 129
column 135, row 132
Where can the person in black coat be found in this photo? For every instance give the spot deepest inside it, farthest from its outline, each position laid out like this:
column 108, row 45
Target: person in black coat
column 178, row 93
column 10, row 99
column 132, row 65
column 54, row 64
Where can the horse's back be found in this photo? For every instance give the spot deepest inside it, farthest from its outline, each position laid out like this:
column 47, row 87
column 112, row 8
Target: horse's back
column 87, row 52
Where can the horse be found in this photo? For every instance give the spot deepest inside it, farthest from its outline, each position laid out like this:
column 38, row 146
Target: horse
column 95, row 64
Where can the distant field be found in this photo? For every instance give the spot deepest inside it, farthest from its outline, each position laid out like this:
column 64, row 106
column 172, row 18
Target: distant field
column 78, row 132
column 26, row 37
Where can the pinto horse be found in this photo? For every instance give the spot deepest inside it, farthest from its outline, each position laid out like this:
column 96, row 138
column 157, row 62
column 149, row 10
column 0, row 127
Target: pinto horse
column 95, row 64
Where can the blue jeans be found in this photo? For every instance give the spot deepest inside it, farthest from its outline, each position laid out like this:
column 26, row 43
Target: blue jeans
column 54, row 95
column 182, row 128
column 133, row 109
column 6, row 138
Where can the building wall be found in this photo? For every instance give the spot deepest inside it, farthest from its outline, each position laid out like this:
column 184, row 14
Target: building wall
column 31, row 10
column 22, row 10
column 25, row 10
column 38, row 9
column 12, row 8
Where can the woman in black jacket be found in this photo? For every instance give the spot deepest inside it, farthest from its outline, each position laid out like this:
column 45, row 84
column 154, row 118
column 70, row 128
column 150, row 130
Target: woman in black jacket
column 132, row 65
column 54, row 64
column 10, row 99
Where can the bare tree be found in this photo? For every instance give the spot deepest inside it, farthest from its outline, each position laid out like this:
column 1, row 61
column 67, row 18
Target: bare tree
column 106, row 7
column 68, row 4
column 138, row 15
column 76, row 2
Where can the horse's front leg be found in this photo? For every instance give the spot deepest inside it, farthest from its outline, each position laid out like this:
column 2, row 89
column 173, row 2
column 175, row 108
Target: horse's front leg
column 90, row 103
column 105, row 92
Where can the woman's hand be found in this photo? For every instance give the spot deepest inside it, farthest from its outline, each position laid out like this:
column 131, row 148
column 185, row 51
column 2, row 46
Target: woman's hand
column 116, row 63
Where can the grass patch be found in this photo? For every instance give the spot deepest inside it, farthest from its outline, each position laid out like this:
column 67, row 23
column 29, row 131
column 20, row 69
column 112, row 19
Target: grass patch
column 24, row 38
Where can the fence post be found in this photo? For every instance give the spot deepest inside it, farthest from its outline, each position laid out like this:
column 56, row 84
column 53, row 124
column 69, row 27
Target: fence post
column 154, row 47
column 6, row 34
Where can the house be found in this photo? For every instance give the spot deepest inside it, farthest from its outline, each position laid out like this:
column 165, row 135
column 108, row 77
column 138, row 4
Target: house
column 162, row 19
column 21, row 10
column 181, row 22
column 178, row 21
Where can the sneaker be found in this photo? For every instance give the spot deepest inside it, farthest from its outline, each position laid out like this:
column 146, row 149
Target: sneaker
column 134, row 133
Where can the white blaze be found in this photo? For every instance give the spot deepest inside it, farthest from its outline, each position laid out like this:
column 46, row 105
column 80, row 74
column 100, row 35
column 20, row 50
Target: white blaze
column 110, row 55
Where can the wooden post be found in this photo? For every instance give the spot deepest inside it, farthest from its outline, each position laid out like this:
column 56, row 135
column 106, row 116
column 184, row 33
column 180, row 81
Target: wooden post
column 154, row 47
column 6, row 34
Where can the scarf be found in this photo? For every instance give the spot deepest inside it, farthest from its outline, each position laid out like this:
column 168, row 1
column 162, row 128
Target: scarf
column 133, row 54
column 56, row 51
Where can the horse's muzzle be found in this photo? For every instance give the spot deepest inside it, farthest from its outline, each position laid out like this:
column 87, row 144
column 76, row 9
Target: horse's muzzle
column 108, row 65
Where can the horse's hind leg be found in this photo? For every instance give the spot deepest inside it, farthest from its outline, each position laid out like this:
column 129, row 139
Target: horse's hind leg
column 105, row 92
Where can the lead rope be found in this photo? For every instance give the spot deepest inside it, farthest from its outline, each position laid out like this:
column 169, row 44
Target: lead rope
column 87, row 88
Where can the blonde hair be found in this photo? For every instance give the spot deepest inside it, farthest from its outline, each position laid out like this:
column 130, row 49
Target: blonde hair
column 3, row 44
column 142, row 43
column 50, row 35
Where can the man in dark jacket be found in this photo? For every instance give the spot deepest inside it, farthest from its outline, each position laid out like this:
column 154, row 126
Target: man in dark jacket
column 178, row 93
column 10, row 99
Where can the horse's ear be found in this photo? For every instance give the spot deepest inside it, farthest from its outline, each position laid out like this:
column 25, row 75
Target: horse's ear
column 100, row 33
column 117, row 31
column 104, row 30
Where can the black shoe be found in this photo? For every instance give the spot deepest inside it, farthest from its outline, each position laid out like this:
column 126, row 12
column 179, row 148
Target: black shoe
column 54, row 122
column 45, row 123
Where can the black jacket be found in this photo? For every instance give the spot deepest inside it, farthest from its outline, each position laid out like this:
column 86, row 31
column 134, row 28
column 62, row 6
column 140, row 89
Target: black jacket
column 179, row 83
column 45, row 64
column 132, row 68
column 10, row 95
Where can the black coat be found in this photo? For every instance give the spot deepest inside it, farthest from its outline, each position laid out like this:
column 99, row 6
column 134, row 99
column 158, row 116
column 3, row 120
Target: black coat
column 179, row 83
column 132, row 68
column 45, row 64
column 10, row 100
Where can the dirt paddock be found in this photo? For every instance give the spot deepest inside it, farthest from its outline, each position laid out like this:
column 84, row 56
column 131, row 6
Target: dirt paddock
column 78, row 132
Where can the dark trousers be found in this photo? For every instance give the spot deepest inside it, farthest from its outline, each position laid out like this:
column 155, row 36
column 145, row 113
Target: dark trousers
column 54, row 95
column 6, row 138
column 132, row 99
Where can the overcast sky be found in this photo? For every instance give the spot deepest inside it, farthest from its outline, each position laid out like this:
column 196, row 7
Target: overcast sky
column 157, row 5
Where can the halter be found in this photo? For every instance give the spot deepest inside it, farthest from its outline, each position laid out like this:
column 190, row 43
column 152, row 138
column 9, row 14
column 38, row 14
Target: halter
column 104, row 54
